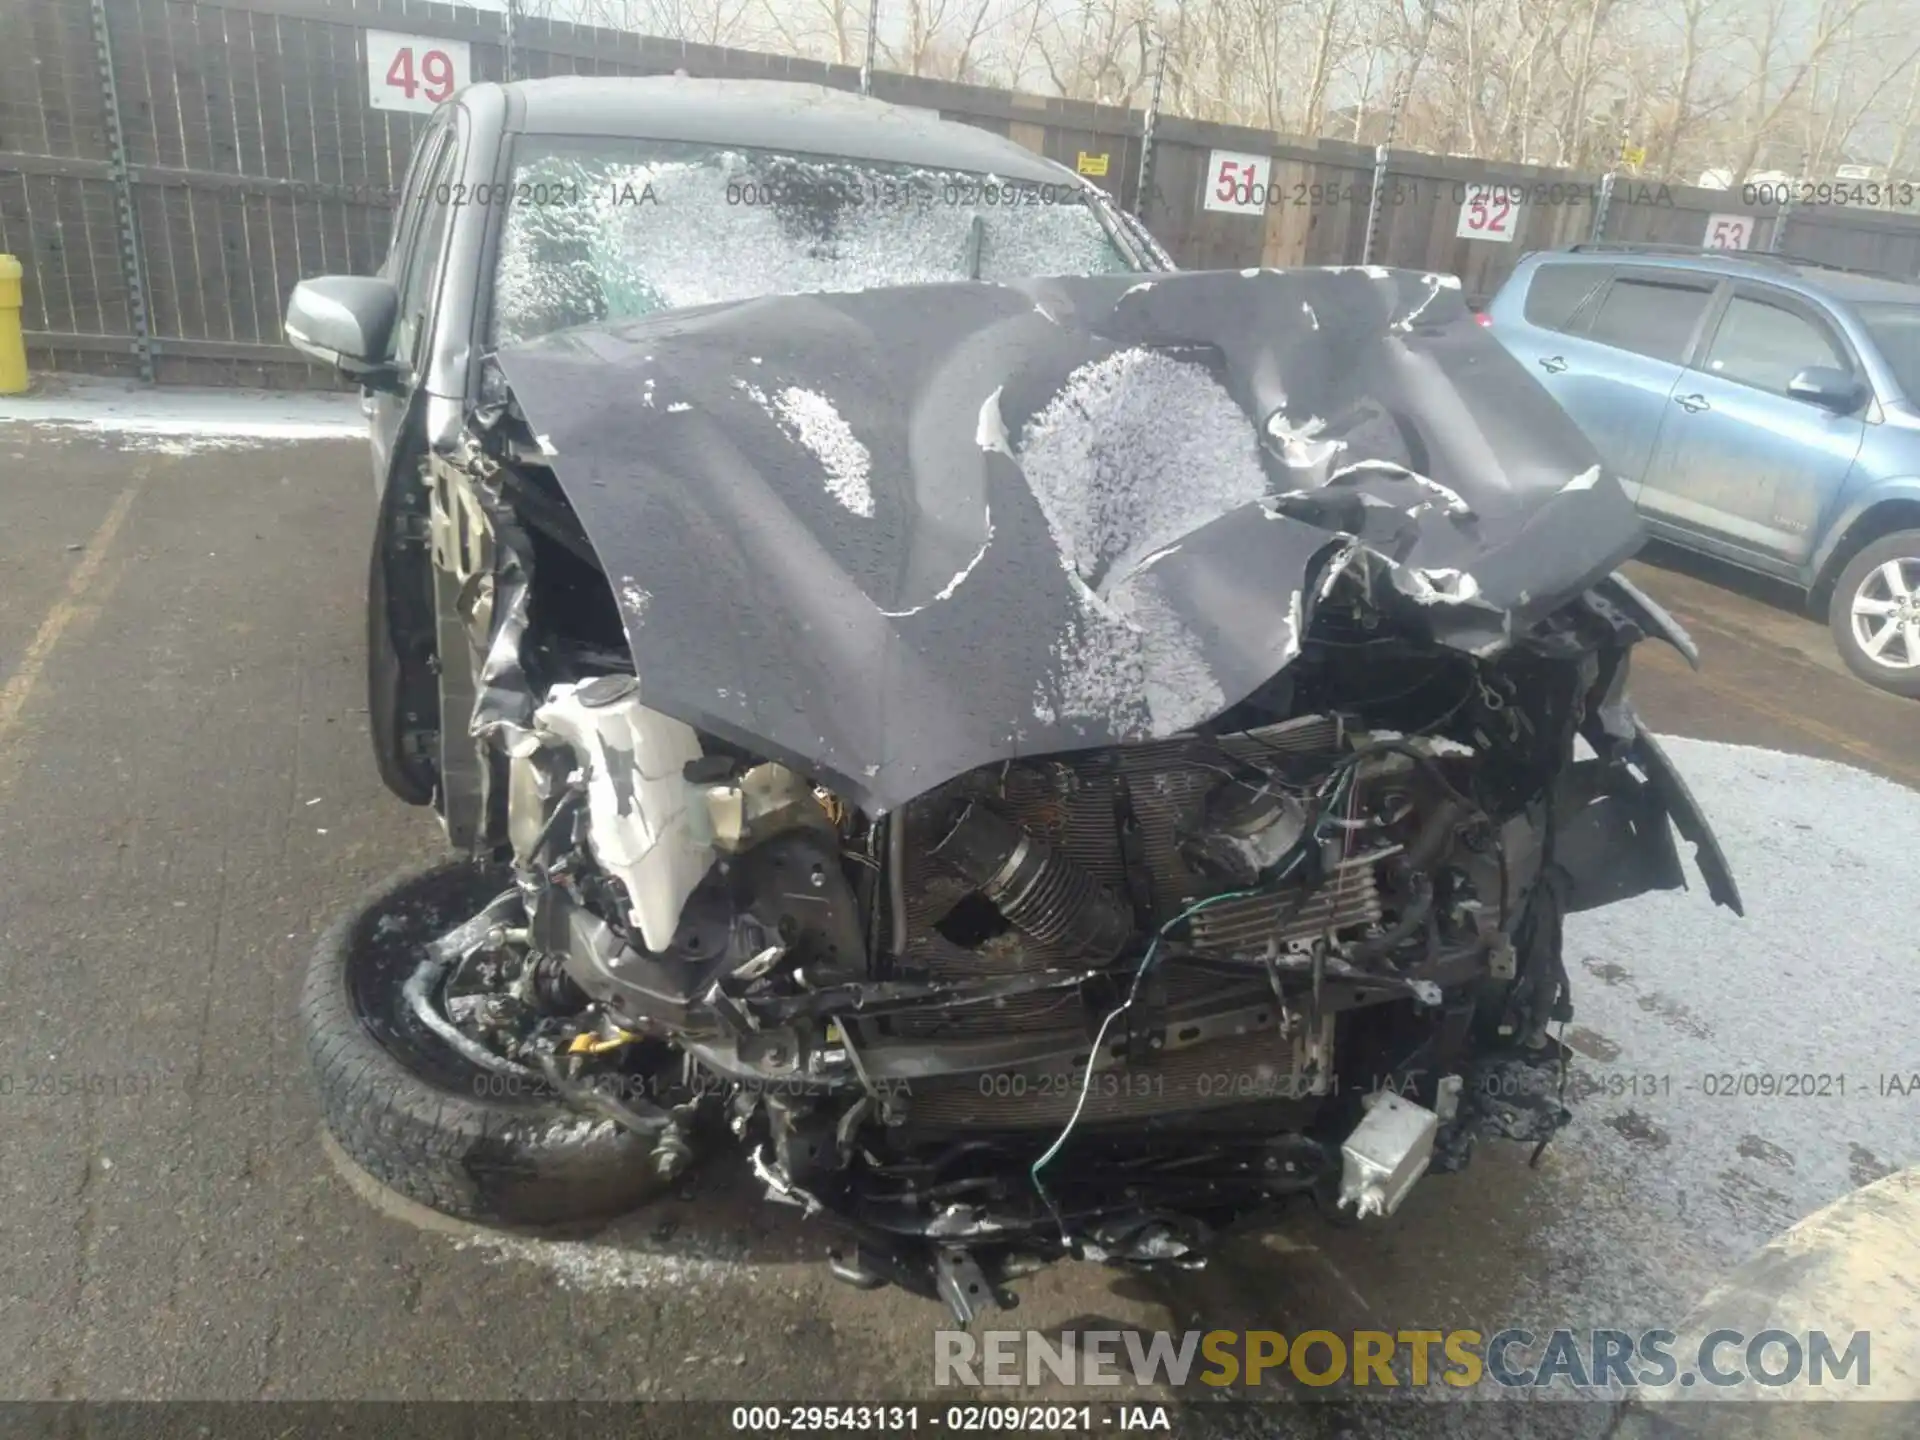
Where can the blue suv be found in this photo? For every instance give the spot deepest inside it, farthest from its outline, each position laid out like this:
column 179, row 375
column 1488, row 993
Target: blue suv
column 1759, row 409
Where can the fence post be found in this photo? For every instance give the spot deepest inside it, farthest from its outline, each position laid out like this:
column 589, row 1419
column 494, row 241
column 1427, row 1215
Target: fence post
column 1779, row 234
column 1401, row 94
column 1600, row 207
column 1373, row 203
column 1786, row 209
column 130, row 264
column 509, row 22
column 873, row 45
column 1144, row 181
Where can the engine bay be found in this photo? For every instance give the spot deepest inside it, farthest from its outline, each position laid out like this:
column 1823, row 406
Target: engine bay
column 1012, row 853
column 1110, row 1003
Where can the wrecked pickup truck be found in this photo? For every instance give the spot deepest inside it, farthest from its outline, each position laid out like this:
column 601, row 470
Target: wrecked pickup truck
column 1052, row 767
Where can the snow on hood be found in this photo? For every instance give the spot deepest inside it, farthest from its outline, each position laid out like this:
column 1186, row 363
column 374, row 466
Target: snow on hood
column 893, row 535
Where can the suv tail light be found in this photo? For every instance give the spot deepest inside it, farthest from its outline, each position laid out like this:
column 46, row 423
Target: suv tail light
column 1480, row 317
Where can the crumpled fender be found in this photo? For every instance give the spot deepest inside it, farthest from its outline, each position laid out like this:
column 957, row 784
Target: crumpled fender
column 1687, row 818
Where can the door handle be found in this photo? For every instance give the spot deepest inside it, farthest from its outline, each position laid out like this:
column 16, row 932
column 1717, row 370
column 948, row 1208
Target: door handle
column 1692, row 404
column 1553, row 364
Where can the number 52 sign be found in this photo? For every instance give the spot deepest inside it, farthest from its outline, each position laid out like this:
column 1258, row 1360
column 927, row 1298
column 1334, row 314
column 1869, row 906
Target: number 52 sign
column 1489, row 212
column 414, row 72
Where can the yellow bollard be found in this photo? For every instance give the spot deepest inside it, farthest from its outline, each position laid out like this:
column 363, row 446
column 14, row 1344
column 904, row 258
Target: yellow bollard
column 13, row 347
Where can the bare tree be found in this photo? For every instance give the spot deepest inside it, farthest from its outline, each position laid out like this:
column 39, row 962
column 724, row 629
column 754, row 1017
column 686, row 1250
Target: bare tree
column 1777, row 77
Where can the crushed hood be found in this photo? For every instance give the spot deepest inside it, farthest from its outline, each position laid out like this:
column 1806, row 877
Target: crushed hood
column 893, row 535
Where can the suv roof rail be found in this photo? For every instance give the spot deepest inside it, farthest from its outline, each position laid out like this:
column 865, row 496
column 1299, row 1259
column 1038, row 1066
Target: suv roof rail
column 1774, row 258
column 1846, row 269
column 1653, row 247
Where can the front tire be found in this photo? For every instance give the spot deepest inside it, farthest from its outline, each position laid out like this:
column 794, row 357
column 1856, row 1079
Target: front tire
column 422, row 1118
column 1875, row 614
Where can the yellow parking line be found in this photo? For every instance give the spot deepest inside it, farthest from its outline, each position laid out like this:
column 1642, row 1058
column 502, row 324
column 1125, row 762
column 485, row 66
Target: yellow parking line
column 1813, row 729
column 19, row 685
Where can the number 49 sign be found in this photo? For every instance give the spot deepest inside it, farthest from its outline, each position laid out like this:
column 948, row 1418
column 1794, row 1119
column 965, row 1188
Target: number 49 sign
column 414, row 72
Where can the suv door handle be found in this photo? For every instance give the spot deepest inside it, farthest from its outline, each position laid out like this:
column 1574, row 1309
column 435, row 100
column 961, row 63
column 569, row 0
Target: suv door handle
column 1692, row 404
column 1553, row 364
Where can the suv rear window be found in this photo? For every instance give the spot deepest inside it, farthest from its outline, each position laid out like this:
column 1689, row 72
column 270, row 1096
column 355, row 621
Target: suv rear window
column 1556, row 292
column 1896, row 330
column 1651, row 317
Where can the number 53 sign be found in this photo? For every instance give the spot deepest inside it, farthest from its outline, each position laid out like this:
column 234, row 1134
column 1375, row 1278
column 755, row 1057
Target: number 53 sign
column 414, row 72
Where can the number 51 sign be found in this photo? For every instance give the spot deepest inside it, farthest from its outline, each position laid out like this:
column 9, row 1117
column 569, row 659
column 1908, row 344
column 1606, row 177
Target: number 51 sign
column 414, row 72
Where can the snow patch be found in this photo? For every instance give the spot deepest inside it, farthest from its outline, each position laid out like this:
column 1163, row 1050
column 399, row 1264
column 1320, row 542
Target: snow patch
column 1135, row 452
column 946, row 592
column 1648, row 1214
column 583, row 1266
column 1406, row 322
column 633, row 599
column 1131, row 652
column 179, row 421
column 813, row 421
column 991, row 431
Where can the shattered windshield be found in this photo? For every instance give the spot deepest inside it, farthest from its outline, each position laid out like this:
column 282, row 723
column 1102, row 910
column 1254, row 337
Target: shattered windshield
column 616, row 229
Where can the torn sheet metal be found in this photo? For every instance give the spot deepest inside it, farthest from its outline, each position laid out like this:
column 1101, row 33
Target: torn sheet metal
column 894, row 535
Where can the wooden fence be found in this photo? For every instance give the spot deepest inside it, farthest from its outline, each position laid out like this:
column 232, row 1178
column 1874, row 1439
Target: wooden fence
column 169, row 169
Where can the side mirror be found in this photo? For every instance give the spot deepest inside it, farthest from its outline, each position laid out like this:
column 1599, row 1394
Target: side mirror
column 346, row 321
column 1829, row 388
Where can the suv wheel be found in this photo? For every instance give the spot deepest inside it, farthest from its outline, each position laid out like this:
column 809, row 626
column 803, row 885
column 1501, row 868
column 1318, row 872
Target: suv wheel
column 1875, row 613
column 425, row 1120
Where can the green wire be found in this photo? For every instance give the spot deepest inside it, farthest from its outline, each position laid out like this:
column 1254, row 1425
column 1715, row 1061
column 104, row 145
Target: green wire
column 1133, row 990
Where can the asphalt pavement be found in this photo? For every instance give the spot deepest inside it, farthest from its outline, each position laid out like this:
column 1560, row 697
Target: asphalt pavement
column 187, row 797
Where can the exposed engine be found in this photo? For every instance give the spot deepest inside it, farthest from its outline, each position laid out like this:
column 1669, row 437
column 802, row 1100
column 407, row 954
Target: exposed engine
column 1105, row 1003
column 1100, row 999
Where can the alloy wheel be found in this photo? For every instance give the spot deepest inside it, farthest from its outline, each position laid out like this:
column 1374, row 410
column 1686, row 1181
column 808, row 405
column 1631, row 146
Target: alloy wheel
column 1886, row 614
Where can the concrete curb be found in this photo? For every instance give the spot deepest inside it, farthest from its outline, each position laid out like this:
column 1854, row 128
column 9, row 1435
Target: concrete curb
column 1853, row 1266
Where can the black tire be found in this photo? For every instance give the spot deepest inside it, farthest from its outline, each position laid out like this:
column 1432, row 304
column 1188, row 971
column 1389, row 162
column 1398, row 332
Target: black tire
column 1860, row 571
column 425, row 1120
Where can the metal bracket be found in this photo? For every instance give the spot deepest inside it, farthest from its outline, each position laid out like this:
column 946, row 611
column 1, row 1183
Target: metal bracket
column 1373, row 204
column 1143, row 185
column 873, row 44
column 963, row 1285
column 1779, row 233
column 1601, row 204
column 130, row 263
